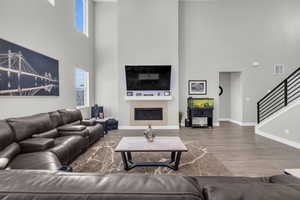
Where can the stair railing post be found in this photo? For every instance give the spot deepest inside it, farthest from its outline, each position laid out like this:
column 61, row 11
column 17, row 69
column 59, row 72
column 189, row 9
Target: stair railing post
column 285, row 92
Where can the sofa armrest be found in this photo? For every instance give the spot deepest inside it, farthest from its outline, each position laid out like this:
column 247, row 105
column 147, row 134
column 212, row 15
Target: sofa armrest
column 83, row 133
column 90, row 122
column 36, row 144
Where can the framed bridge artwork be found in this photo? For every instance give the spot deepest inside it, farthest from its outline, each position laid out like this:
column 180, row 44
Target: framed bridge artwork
column 24, row 72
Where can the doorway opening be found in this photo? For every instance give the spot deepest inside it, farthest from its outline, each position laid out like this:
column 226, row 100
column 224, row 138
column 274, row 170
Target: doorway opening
column 230, row 97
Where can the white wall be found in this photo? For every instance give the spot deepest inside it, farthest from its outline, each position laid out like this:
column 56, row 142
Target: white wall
column 283, row 126
column 36, row 25
column 214, row 36
column 225, row 98
column 106, row 57
column 236, row 95
column 230, row 35
column 147, row 34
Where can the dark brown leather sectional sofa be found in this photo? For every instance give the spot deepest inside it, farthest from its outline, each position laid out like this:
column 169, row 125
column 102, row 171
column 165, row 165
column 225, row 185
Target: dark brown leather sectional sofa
column 50, row 185
column 34, row 148
column 46, row 141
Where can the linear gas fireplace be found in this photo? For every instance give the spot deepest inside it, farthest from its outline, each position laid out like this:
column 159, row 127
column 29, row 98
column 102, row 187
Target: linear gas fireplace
column 144, row 113
column 148, row 114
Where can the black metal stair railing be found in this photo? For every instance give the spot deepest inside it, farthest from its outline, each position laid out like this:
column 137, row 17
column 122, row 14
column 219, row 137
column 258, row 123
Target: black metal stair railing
column 282, row 95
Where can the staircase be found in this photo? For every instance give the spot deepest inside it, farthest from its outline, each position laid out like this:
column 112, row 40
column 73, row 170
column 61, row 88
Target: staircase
column 281, row 96
column 278, row 112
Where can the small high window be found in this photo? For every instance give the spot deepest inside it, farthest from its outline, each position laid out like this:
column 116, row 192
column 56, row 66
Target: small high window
column 81, row 18
column 82, row 87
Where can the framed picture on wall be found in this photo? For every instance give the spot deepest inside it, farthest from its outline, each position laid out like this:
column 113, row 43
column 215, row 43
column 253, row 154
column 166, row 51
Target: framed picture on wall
column 197, row 87
column 24, row 72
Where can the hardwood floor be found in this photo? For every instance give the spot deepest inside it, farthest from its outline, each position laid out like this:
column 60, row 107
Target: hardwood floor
column 242, row 151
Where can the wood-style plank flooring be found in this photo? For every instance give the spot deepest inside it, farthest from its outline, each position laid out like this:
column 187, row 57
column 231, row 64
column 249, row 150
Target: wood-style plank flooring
column 242, row 151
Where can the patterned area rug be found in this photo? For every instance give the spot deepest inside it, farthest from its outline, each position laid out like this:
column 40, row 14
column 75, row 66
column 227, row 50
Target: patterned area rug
column 197, row 161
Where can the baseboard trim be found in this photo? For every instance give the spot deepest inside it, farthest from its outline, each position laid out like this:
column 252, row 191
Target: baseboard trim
column 238, row 122
column 277, row 139
column 170, row 127
column 249, row 123
column 215, row 124
column 224, row 119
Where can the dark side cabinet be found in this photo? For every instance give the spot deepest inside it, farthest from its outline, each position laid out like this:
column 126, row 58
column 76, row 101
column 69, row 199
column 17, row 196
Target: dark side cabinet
column 201, row 112
column 198, row 109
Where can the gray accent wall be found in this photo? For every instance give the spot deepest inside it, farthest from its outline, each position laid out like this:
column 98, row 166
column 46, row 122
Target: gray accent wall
column 37, row 25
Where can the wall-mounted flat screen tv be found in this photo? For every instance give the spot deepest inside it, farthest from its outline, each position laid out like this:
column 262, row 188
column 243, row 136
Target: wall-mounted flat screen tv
column 155, row 77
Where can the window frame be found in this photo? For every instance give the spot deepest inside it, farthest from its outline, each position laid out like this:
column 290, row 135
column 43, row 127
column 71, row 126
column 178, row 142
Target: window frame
column 86, row 99
column 85, row 16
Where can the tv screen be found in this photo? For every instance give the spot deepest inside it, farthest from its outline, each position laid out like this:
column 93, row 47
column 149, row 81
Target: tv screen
column 156, row 77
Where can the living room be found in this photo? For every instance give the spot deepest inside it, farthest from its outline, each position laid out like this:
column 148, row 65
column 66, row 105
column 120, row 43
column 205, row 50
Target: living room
column 214, row 84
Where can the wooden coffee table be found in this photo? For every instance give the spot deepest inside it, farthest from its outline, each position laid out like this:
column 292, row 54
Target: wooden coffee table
column 174, row 145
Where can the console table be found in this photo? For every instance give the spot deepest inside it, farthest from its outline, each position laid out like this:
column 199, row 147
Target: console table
column 174, row 145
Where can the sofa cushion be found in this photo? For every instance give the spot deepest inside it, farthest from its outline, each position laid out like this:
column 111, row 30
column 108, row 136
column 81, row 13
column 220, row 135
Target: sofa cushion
column 78, row 122
column 68, row 147
column 211, row 180
column 285, row 179
column 70, row 115
column 25, row 127
column 36, row 144
column 9, row 153
column 29, row 185
column 251, row 191
column 90, row 122
column 6, row 135
column 36, row 161
column 83, row 133
column 56, row 119
column 71, row 128
column 49, row 134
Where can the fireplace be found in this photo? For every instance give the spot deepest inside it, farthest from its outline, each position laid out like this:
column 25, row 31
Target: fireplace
column 144, row 113
column 148, row 114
